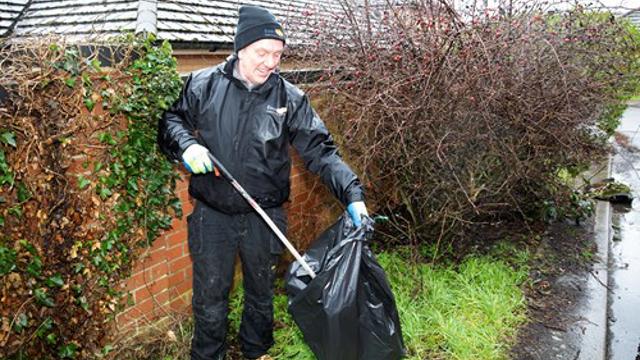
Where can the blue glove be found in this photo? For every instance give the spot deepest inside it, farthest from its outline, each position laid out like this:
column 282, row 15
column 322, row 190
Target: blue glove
column 196, row 159
column 357, row 210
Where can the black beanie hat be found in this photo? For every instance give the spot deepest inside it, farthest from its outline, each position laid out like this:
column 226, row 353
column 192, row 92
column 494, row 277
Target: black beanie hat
column 256, row 23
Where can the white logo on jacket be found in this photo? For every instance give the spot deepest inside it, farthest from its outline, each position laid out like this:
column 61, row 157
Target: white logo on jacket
column 279, row 111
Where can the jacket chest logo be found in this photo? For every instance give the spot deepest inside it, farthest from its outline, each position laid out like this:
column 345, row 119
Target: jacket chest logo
column 279, row 111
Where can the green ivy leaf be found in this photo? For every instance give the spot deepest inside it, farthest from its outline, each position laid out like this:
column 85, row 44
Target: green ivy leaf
column 77, row 289
column 82, row 301
column 106, row 138
column 70, row 82
column 7, row 260
column 176, row 205
column 44, row 327
column 9, row 138
column 70, row 63
column 51, row 339
column 68, row 351
column 132, row 184
column 35, row 267
column 118, row 169
column 78, row 267
column 23, row 193
column 86, row 80
column 89, row 104
column 55, row 280
column 106, row 350
column 43, row 298
column 28, row 246
column 104, row 192
column 20, row 323
column 96, row 65
column 83, row 182
column 16, row 211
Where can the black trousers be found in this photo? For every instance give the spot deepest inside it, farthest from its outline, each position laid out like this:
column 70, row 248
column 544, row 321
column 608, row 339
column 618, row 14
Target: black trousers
column 215, row 239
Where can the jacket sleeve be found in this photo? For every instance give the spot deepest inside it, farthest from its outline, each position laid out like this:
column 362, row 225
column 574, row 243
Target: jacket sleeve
column 177, row 126
column 310, row 137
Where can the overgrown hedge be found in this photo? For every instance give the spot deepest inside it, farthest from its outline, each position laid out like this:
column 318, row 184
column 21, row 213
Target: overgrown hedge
column 458, row 121
column 82, row 186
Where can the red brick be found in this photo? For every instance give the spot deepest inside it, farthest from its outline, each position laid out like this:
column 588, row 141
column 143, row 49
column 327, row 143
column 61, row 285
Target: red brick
column 179, row 304
column 160, row 241
column 145, row 261
column 181, row 188
column 185, row 247
column 184, row 199
column 154, row 272
column 151, row 289
column 187, row 208
column 141, row 309
column 135, row 281
column 180, row 263
column 155, row 257
column 127, row 320
column 176, row 278
column 178, row 223
column 183, row 288
column 174, row 252
column 177, row 237
column 183, row 182
column 150, row 309
column 160, row 305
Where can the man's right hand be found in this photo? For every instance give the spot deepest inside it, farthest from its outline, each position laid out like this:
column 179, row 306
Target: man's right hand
column 357, row 210
column 196, row 159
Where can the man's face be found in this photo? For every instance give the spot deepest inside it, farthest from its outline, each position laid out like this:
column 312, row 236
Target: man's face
column 260, row 59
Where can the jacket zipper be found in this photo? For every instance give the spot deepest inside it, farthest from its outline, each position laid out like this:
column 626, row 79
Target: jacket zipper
column 246, row 104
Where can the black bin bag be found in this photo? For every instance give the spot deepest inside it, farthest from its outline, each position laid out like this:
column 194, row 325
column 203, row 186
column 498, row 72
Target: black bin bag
column 347, row 311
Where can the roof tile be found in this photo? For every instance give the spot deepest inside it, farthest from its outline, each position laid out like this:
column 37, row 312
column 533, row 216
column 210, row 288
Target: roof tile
column 206, row 21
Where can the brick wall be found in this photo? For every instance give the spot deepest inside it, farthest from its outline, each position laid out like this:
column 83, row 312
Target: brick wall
column 161, row 280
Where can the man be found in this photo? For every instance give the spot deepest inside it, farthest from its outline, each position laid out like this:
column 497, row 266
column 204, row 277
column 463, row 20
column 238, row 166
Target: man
column 246, row 115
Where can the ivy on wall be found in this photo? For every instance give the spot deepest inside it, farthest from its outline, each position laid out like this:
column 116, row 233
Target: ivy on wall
column 82, row 185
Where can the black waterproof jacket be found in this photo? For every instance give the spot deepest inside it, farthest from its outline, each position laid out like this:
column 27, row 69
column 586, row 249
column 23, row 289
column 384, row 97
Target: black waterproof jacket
column 249, row 131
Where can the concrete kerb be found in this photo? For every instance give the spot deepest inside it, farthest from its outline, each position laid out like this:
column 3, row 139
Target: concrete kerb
column 594, row 312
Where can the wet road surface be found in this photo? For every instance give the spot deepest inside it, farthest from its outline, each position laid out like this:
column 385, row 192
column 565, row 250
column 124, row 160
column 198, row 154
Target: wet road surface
column 624, row 255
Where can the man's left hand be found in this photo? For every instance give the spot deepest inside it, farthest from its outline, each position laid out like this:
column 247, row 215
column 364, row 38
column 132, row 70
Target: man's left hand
column 357, row 210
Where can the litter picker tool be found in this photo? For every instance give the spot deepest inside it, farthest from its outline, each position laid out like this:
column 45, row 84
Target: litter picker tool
column 225, row 173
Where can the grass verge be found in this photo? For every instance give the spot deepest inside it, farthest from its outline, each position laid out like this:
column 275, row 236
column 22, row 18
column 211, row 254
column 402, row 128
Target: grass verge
column 471, row 310
column 468, row 311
